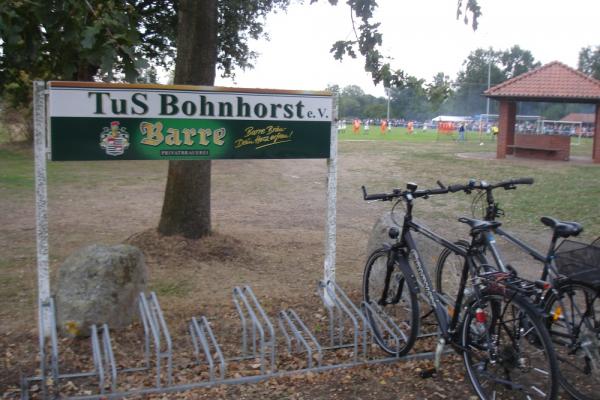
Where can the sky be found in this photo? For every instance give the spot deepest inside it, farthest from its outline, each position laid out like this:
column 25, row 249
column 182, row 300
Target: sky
column 422, row 37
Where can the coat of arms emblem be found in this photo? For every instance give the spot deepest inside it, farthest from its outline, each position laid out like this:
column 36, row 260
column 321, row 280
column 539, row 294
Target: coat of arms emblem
column 114, row 140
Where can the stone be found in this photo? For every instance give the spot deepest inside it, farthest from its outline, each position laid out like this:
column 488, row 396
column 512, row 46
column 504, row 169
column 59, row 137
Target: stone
column 99, row 284
column 379, row 233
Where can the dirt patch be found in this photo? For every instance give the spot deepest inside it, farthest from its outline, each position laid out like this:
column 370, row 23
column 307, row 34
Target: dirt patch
column 269, row 224
column 177, row 250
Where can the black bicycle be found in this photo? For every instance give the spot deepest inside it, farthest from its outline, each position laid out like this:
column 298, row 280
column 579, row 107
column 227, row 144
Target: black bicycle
column 572, row 305
column 506, row 347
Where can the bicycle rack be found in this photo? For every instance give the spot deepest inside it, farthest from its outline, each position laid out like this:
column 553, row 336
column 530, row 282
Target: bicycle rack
column 288, row 319
column 201, row 333
column 246, row 304
column 104, row 359
column 348, row 323
column 155, row 328
column 384, row 321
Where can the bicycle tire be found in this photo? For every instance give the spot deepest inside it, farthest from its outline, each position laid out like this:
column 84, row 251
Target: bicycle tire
column 575, row 333
column 448, row 272
column 400, row 305
column 510, row 354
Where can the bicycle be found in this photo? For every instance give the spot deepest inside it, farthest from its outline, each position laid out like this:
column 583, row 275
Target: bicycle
column 572, row 305
column 506, row 348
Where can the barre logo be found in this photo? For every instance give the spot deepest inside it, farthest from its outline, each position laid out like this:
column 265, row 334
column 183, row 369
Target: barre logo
column 114, row 140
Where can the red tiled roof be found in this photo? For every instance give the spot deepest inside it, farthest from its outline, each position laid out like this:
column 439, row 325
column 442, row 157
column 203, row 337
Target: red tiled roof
column 553, row 81
column 579, row 117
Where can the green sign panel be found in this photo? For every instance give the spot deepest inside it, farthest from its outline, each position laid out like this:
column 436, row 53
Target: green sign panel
column 150, row 122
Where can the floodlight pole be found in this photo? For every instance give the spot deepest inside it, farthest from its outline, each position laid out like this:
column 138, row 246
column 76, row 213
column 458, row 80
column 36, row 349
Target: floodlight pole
column 487, row 101
column 387, row 91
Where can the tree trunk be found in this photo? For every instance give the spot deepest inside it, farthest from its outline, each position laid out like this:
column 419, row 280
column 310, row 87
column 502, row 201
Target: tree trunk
column 186, row 207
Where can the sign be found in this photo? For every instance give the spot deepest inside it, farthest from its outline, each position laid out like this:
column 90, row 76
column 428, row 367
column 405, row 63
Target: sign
column 99, row 121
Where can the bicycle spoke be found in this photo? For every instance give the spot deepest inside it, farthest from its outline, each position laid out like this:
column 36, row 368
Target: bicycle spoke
column 510, row 361
column 393, row 317
column 574, row 313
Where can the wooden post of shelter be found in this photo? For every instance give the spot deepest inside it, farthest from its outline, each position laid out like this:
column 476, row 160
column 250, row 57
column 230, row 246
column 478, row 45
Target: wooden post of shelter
column 506, row 126
column 596, row 146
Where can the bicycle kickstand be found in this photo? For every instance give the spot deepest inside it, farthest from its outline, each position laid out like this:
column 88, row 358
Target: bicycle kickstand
column 437, row 362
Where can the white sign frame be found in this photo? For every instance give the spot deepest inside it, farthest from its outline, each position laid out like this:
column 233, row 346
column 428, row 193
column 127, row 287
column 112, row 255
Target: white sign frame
column 42, row 151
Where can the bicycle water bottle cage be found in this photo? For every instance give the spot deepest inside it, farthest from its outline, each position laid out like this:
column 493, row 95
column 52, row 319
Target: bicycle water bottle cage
column 393, row 233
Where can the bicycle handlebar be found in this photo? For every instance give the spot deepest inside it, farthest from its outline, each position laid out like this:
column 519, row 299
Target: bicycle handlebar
column 473, row 184
column 398, row 193
column 512, row 182
column 379, row 196
column 483, row 185
column 457, row 188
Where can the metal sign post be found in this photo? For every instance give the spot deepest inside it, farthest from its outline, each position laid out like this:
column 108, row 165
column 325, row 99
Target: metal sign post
column 330, row 228
column 41, row 200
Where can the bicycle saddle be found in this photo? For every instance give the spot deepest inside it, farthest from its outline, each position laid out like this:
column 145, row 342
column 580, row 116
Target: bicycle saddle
column 563, row 228
column 478, row 225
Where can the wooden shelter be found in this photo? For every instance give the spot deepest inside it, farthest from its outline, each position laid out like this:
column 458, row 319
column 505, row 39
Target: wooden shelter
column 553, row 82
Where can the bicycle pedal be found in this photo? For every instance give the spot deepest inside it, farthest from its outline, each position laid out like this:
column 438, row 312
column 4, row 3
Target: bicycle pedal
column 428, row 373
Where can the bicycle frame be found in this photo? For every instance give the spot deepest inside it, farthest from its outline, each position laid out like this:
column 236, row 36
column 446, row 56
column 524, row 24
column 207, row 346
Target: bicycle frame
column 492, row 211
column 447, row 327
column 547, row 260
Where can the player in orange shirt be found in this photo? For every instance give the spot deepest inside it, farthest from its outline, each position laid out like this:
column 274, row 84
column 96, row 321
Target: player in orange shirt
column 356, row 126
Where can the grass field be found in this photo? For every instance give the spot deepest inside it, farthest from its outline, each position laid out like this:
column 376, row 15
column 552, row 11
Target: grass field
column 270, row 215
column 569, row 191
column 581, row 147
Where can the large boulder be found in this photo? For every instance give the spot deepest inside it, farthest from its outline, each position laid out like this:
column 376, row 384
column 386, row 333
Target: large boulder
column 99, row 284
column 379, row 233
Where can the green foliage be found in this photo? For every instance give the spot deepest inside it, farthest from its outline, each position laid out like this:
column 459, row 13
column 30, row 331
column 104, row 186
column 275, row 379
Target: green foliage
column 110, row 39
column 411, row 101
column 516, row 61
column 471, row 7
column 589, row 61
column 438, row 91
column 472, row 81
column 239, row 21
column 65, row 39
column 368, row 40
column 114, row 39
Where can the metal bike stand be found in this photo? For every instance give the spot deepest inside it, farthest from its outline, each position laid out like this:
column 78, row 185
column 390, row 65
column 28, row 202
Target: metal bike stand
column 289, row 320
column 203, row 337
column 384, row 321
column 247, row 304
column 104, row 359
column 155, row 328
column 348, row 323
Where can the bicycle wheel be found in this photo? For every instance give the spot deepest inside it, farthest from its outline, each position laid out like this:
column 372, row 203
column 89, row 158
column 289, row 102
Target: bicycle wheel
column 393, row 316
column 448, row 271
column 574, row 325
column 508, row 352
